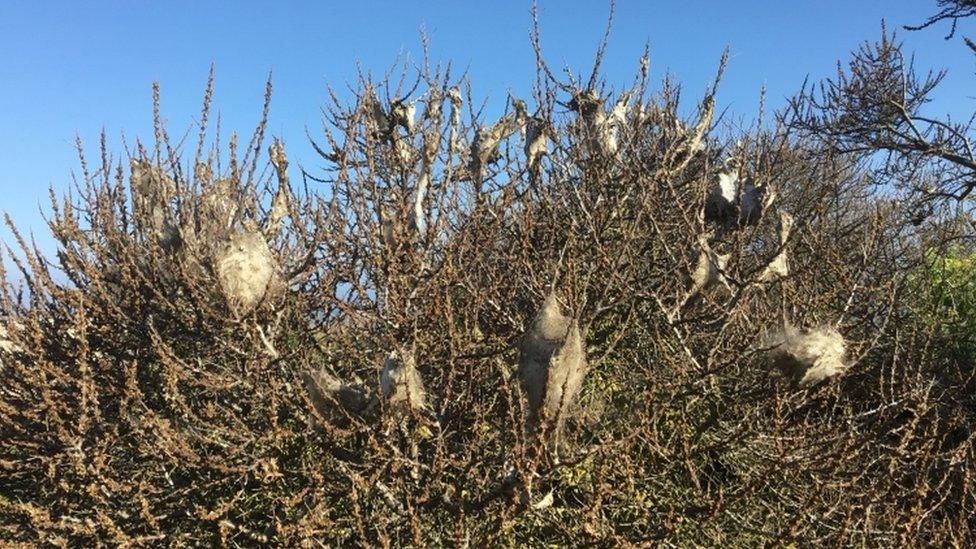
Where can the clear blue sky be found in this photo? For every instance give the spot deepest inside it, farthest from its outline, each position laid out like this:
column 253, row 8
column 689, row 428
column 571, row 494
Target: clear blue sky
column 71, row 67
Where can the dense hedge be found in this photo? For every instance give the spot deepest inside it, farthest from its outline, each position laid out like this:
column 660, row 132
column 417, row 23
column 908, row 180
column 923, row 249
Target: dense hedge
column 223, row 355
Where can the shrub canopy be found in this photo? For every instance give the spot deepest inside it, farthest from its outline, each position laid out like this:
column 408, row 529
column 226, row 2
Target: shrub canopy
column 202, row 363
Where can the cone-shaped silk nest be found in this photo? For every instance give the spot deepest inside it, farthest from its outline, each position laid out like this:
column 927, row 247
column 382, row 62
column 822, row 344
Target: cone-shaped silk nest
column 809, row 356
column 754, row 201
column 454, row 94
column 403, row 114
column 720, row 204
column 621, row 109
column 485, row 145
column 277, row 213
column 246, row 270
column 377, row 116
column 400, row 382
column 601, row 130
column 552, row 363
column 779, row 267
column 708, row 266
column 536, row 141
column 325, row 391
column 279, row 205
column 6, row 345
column 219, row 209
column 402, row 149
column 152, row 189
column 148, row 180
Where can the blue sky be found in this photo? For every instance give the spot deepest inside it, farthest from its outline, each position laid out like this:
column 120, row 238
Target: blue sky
column 73, row 68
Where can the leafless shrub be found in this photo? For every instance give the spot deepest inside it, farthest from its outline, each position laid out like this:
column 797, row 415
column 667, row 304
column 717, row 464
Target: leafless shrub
column 141, row 405
column 953, row 11
column 877, row 108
